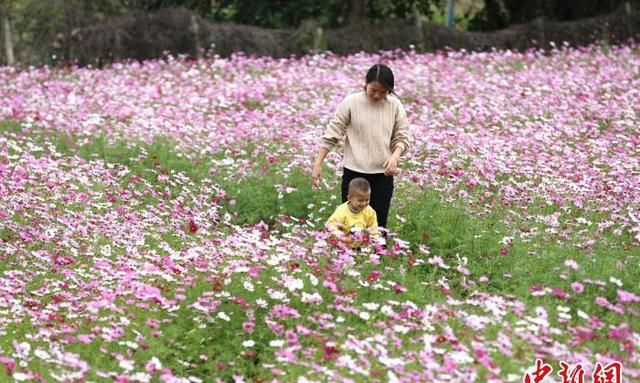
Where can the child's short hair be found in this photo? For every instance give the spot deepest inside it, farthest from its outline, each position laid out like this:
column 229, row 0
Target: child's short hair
column 359, row 184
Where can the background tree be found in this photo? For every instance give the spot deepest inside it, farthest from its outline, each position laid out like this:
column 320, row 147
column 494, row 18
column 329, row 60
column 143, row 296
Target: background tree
column 61, row 31
column 280, row 13
column 5, row 13
column 357, row 11
column 328, row 13
column 498, row 14
column 202, row 7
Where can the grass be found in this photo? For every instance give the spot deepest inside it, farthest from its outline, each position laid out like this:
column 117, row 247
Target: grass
column 197, row 346
column 252, row 196
column 445, row 228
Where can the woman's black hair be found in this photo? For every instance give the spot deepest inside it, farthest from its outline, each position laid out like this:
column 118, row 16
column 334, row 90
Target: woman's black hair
column 382, row 74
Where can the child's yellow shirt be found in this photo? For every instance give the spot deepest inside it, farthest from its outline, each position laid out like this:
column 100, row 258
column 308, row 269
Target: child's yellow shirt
column 343, row 219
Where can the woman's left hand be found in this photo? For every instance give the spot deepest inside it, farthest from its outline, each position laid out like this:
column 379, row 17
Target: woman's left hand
column 390, row 165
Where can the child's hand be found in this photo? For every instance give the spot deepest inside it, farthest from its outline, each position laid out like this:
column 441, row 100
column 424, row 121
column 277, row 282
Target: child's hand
column 357, row 237
column 355, row 243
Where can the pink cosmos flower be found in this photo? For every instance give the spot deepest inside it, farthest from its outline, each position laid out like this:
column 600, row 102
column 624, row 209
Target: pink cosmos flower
column 330, row 352
column 570, row 263
column 9, row 364
column 559, row 293
column 374, row 275
column 168, row 377
column 192, row 226
column 438, row 261
column 292, row 337
column 399, row 289
column 248, row 327
column 577, row 287
column 625, row 297
column 620, row 332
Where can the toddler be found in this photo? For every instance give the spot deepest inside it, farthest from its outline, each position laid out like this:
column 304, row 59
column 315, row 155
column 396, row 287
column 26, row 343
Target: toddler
column 355, row 216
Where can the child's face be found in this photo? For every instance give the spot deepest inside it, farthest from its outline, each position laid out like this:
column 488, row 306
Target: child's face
column 358, row 200
column 376, row 91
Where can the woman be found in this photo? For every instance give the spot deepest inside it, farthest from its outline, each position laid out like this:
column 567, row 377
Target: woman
column 377, row 135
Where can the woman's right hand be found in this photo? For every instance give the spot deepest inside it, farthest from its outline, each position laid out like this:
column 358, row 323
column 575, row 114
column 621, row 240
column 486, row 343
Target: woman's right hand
column 316, row 175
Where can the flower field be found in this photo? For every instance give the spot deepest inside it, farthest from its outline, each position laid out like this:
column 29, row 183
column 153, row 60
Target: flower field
column 157, row 222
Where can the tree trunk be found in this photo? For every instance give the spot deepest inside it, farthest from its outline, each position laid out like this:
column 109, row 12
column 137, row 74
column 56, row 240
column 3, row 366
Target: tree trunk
column 449, row 17
column 417, row 22
column 6, row 29
column 195, row 29
column 357, row 11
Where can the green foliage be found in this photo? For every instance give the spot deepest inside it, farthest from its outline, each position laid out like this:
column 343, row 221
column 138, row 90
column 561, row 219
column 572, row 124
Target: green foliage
column 328, row 13
column 203, row 7
column 212, row 347
column 446, row 229
column 205, row 346
column 382, row 10
column 257, row 198
column 494, row 250
column 499, row 14
column 263, row 193
column 280, row 13
column 10, row 126
column 161, row 155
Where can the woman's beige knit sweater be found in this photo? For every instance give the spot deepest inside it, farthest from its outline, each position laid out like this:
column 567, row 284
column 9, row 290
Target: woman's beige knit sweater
column 373, row 131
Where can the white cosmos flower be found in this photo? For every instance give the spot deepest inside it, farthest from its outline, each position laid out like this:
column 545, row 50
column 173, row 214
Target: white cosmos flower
column 126, row 365
column 391, row 362
column 21, row 377
column 615, row 281
column 387, row 310
column 141, row 377
column 294, row 284
column 311, row 298
column 105, row 250
column 353, row 273
column 371, row 306
column 391, row 377
column 278, row 295
column 276, row 343
column 248, row 286
column 42, row 354
column 156, row 363
column 461, row 357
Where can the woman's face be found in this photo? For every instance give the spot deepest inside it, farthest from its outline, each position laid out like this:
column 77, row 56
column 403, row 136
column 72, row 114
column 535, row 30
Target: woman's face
column 376, row 91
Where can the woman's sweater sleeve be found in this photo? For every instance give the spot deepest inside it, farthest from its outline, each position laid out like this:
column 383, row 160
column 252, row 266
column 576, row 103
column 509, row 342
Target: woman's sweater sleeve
column 400, row 134
column 337, row 126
